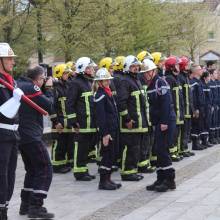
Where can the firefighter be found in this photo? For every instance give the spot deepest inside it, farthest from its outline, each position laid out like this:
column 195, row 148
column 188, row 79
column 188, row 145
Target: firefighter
column 8, row 129
column 133, row 120
column 172, row 72
column 214, row 90
column 63, row 143
column 164, row 119
column 159, row 60
column 108, row 126
column 109, row 64
column 198, row 103
column 33, row 150
column 147, row 146
column 80, row 116
column 218, row 107
column 207, row 108
column 186, row 127
column 144, row 55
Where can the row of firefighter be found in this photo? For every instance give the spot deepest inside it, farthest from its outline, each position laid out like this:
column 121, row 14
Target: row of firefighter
column 138, row 114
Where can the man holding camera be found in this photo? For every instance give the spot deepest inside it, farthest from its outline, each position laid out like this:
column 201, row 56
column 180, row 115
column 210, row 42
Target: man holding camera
column 33, row 150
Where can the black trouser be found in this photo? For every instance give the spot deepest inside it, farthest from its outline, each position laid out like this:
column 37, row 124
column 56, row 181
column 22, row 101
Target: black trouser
column 8, row 163
column 198, row 125
column 185, row 134
column 83, row 142
column 107, row 154
column 145, row 151
column 164, row 139
column 62, row 150
column 207, row 124
column 213, row 125
column 39, row 172
column 153, row 153
column 130, row 152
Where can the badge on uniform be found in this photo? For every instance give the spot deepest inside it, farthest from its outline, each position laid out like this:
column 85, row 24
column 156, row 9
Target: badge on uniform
column 36, row 88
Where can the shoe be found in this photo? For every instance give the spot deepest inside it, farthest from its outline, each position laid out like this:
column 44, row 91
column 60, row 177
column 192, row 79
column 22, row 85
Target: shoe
column 191, row 153
column 198, row 147
column 131, row 177
column 118, row 185
column 165, row 186
column 91, row 176
column 107, row 186
column 61, row 170
column 146, row 169
column 24, row 208
column 83, row 177
column 175, row 158
column 153, row 186
column 185, row 154
column 39, row 212
column 213, row 141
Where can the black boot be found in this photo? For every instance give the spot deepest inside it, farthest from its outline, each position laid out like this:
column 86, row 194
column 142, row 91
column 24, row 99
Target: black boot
column 61, row 169
column 83, row 177
column 118, row 185
column 132, row 177
column 160, row 178
column 196, row 145
column 39, row 212
column 205, row 142
column 146, row 169
column 105, row 184
column 24, row 208
column 25, row 201
column 168, row 183
column 3, row 213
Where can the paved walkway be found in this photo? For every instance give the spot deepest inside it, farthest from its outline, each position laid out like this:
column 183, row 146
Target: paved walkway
column 197, row 195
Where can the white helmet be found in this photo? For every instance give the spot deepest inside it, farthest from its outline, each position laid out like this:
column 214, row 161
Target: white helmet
column 6, row 51
column 84, row 62
column 129, row 61
column 102, row 74
column 147, row 65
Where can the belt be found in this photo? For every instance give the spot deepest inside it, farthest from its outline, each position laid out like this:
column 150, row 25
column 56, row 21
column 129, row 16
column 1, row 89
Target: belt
column 9, row 127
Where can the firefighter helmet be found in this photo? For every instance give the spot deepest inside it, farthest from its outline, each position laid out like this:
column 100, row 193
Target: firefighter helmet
column 102, row 74
column 129, row 61
column 82, row 63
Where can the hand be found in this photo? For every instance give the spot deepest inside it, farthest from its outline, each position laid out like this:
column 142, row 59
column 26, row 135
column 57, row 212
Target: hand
column 105, row 140
column 196, row 114
column 59, row 128
column 163, row 127
column 77, row 128
column 17, row 94
column 49, row 82
column 130, row 124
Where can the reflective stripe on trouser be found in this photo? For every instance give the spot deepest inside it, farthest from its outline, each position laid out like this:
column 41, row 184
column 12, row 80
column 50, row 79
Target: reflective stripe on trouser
column 107, row 154
column 162, row 142
column 62, row 149
column 81, row 151
column 185, row 135
column 8, row 161
column 38, row 169
column 145, row 149
column 130, row 153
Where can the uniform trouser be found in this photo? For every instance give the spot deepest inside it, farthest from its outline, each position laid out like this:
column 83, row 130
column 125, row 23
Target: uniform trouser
column 108, row 154
column 213, row 125
column 206, row 124
column 62, row 150
column 185, row 134
column 83, row 142
column 145, row 151
column 175, row 146
column 39, row 172
column 218, row 122
column 164, row 139
column 197, row 126
column 130, row 152
column 8, row 163
column 153, row 155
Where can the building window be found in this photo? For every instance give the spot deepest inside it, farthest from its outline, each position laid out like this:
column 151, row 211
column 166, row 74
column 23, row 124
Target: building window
column 211, row 36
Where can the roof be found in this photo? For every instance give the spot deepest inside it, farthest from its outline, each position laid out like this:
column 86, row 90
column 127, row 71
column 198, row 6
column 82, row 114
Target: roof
column 210, row 56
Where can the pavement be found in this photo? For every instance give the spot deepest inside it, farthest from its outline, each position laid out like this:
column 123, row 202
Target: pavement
column 197, row 195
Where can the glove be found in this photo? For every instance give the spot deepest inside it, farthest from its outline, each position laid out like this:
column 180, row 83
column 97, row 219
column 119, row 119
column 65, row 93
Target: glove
column 17, row 94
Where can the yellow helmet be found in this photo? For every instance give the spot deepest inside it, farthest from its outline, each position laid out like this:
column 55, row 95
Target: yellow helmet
column 158, row 56
column 60, row 69
column 106, row 62
column 143, row 55
column 71, row 65
column 119, row 63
